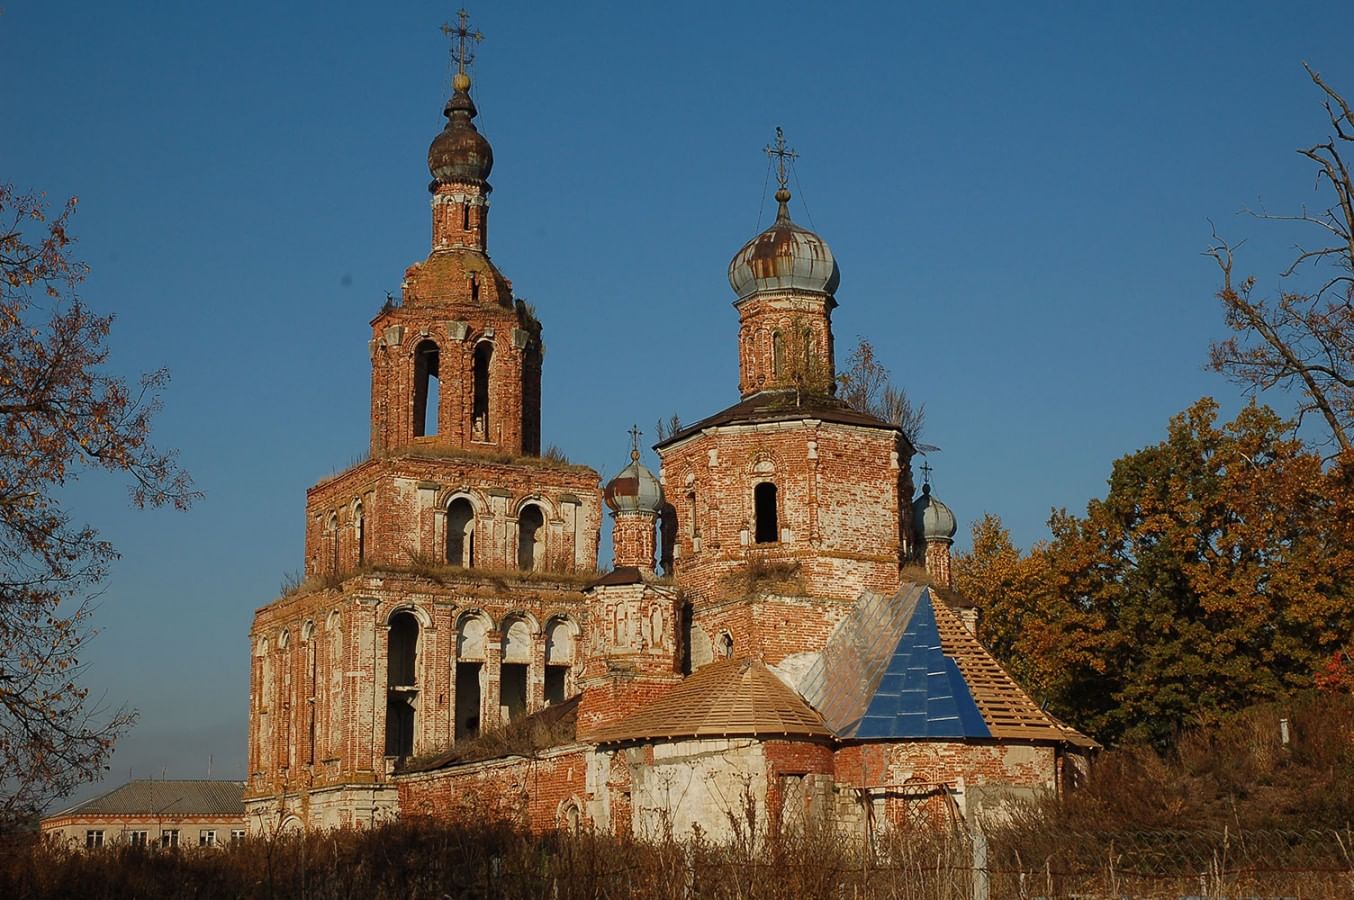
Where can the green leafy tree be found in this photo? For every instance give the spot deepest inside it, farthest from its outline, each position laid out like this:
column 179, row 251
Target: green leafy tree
column 61, row 414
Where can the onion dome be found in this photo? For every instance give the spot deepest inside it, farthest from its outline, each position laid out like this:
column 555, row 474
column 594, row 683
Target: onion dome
column 460, row 153
column 784, row 257
column 931, row 519
column 634, row 489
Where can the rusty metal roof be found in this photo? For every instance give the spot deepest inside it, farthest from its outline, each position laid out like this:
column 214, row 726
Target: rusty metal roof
column 169, row 798
column 729, row 698
column 782, row 406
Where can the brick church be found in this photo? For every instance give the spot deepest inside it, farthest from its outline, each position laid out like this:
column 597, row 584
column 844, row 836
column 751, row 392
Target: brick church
column 777, row 636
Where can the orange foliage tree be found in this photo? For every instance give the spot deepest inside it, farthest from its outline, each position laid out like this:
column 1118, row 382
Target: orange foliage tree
column 61, row 414
column 1218, row 571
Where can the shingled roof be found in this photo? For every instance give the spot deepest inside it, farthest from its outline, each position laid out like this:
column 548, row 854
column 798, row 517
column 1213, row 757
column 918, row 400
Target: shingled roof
column 175, row 798
column 729, row 698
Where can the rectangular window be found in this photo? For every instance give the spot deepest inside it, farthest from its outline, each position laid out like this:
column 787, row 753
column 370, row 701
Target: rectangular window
column 169, row 837
column 206, row 839
column 136, row 838
column 93, row 839
column 237, row 836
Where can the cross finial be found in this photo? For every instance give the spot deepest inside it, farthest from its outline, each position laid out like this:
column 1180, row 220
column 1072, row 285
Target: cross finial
column 462, row 53
column 634, row 441
column 782, row 153
column 926, row 472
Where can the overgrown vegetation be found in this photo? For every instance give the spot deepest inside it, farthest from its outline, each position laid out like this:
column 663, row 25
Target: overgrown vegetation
column 764, row 574
column 528, row 737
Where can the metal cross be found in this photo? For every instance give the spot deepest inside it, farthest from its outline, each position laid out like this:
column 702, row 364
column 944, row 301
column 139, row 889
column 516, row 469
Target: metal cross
column 778, row 149
column 634, row 441
column 926, row 472
column 461, row 52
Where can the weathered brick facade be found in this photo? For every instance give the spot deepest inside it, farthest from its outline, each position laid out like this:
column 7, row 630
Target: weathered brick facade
column 451, row 582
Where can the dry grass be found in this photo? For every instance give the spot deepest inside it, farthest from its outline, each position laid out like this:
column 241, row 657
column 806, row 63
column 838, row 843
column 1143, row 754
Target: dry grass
column 491, row 859
column 765, row 575
column 527, row 737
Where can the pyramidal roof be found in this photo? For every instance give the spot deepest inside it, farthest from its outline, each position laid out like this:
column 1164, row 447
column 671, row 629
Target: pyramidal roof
column 729, row 698
column 906, row 667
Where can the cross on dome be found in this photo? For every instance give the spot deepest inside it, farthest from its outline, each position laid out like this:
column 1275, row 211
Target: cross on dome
column 635, row 435
column 462, row 53
column 781, row 153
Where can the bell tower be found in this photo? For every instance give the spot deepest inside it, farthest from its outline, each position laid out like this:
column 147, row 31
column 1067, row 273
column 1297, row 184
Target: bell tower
column 457, row 362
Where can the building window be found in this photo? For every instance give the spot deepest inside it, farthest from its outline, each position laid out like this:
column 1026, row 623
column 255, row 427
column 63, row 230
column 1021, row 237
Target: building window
column 764, row 506
column 206, row 838
column 461, row 533
column 777, row 354
column 360, row 527
column 559, row 657
column 169, row 837
column 465, row 216
column 401, row 659
column 469, row 664
column 474, row 285
column 512, row 678
column 93, row 839
column 479, row 412
column 530, row 538
column 136, row 838
column 724, row 645
column 237, row 835
column 426, row 389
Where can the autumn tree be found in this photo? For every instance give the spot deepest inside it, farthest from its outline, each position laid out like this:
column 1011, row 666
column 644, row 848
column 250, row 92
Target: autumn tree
column 61, row 414
column 1218, row 571
column 1304, row 337
column 865, row 385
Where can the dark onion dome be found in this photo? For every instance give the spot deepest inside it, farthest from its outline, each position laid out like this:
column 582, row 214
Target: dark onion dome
column 460, row 153
column 634, row 489
column 784, row 257
column 931, row 519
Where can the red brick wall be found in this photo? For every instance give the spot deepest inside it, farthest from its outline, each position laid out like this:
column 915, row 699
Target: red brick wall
column 404, row 501
column 527, row 792
column 804, row 323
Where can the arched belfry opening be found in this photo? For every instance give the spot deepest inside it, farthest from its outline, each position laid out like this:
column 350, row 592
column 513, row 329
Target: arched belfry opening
column 479, row 411
column 427, row 393
column 461, row 533
column 530, row 538
column 767, row 530
column 401, row 683
column 559, row 658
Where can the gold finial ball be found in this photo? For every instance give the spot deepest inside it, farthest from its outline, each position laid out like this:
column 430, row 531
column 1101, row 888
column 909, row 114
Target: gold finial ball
column 460, row 82
column 782, row 196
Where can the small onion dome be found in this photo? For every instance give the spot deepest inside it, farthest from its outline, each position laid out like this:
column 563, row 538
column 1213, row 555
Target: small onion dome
column 784, row 257
column 634, row 489
column 460, row 153
column 931, row 519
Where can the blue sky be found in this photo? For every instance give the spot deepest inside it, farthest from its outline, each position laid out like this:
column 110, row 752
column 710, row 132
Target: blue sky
column 1017, row 195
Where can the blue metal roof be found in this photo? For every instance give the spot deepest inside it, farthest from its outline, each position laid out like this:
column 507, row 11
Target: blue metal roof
column 922, row 694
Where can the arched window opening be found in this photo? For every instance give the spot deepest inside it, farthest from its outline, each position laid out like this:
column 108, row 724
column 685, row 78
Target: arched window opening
column 461, row 533
column 332, row 529
column 764, row 506
column 559, row 656
column 401, row 686
column 465, row 216
column 360, row 529
column 474, row 284
column 469, row 666
column 571, row 818
column 777, row 354
column 427, row 393
column 530, row 538
column 479, row 413
column 512, row 678
column 724, row 645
